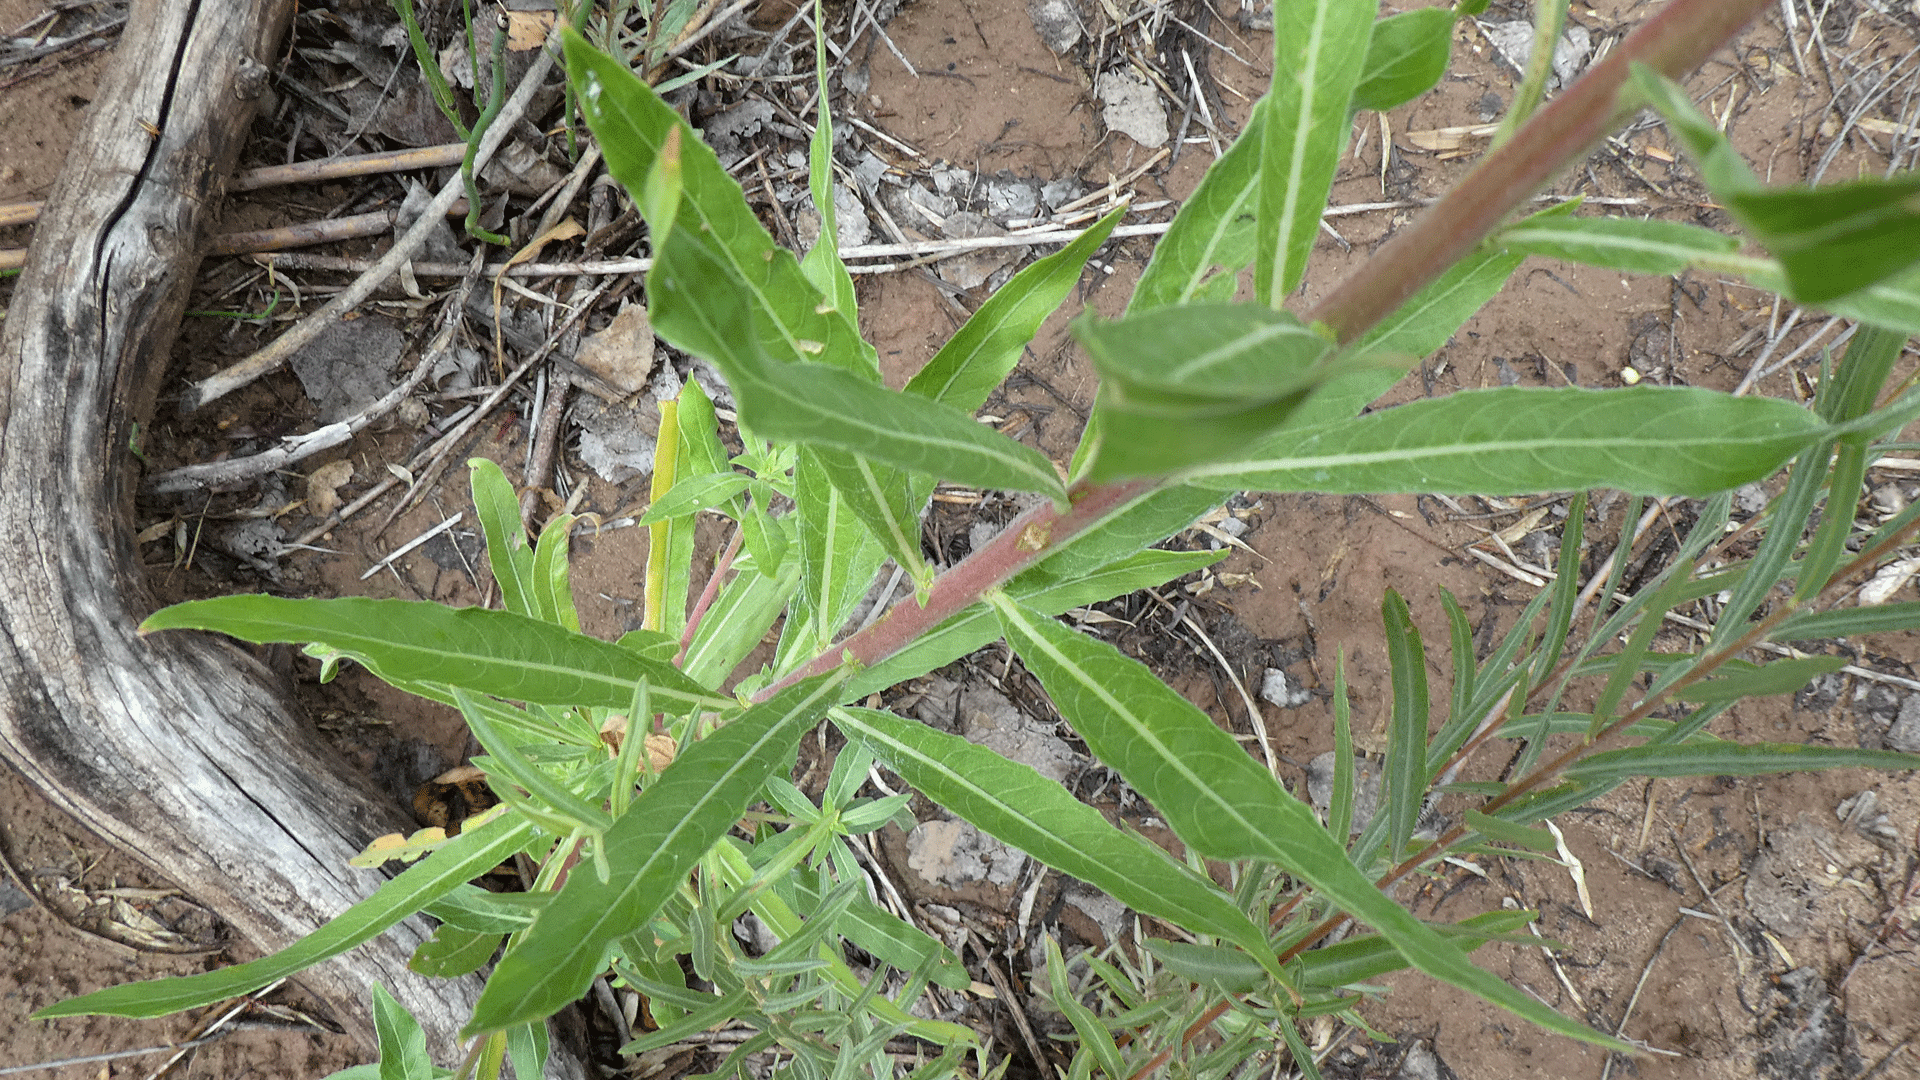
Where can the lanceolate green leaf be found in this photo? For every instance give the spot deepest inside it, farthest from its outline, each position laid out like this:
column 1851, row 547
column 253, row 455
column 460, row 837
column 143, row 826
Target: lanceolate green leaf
column 1370, row 956
column 1406, row 55
column 740, row 616
column 458, row 861
column 1845, row 622
column 979, row 356
column 418, row 643
column 1212, row 236
column 1193, row 383
column 1319, row 51
column 649, row 852
column 697, row 305
column 822, row 265
column 1404, row 784
column 887, row 500
column 631, row 123
column 552, row 584
column 1832, row 240
column 1836, row 240
column 1221, row 802
column 1779, row 677
column 1617, row 243
column 838, row 558
column 1018, row 806
column 1729, row 759
column 507, row 552
column 1648, row 440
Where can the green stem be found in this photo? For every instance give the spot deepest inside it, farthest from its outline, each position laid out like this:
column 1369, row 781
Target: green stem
column 1549, row 22
column 497, row 98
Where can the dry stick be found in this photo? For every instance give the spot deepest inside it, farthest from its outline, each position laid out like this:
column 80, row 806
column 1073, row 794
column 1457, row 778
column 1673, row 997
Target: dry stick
column 546, row 443
column 934, row 248
column 303, row 172
column 1012, row 1003
column 1606, row 1071
column 283, row 347
column 89, row 1059
column 208, row 1028
column 425, row 480
column 308, row 233
column 217, row 475
column 220, row 474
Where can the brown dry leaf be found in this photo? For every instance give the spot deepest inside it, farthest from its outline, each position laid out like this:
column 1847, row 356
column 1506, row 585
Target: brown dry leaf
column 622, row 355
column 660, row 748
column 1518, row 531
column 528, row 29
column 323, row 486
column 1449, row 138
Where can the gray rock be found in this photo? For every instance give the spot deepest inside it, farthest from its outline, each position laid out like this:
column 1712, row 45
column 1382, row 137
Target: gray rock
column 349, row 366
column 955, row 853
column 1057, row 22
column 1515, row 42
column 1904, row 735
column 971, row 268
column 988, row 718
column 1274, row 688
column 1131, row 106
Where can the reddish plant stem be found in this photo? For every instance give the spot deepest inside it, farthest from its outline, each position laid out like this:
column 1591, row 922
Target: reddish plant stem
column 1675, row 41
column 1032, row 536
column 720, row 568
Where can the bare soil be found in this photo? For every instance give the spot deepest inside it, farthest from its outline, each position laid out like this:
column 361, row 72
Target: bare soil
column 1748, row 928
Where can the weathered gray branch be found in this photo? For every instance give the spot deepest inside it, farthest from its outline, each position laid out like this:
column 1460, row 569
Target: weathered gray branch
column 176, row 749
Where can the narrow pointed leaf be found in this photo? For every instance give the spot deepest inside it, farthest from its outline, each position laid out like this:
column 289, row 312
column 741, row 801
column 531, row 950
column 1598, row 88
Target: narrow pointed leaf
column 1194, row 383
column 649, row 852
column 1404, row 780
column 838, row 558
column 1617, row 243
column 1212, row 236
column 453, row 864
column 1831, row 241
column 403, row 1045
column 1649, row 440
column 1369, row 956
column 1508, row 832
column 1319, row 52
column 1845, row 622
column 698, row 305
column 508, row 555
column 1729, row 759
column 888, row 502
column 1013, row 803
column 822, row 264
column 981, row 353
column 414, row 642
column 1406, row 56
column 631, row 122
column 452, row 952
column 1039, row 589
column 1224, row 804
column 740, row 616
column 1779, row 677
column 552, row 585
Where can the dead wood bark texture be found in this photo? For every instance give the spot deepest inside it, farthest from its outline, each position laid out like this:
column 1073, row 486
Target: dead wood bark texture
column 176, row 748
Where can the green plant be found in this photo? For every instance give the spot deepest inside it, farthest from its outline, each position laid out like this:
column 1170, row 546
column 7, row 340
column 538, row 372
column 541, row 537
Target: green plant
column 1199, row 397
